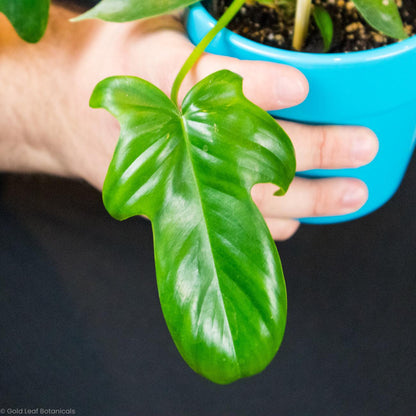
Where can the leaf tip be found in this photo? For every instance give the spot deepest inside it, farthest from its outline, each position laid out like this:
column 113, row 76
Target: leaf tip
column 280, row 192
column 81, row 17
column 89, row 14
column 98, row 93
column 94, row 99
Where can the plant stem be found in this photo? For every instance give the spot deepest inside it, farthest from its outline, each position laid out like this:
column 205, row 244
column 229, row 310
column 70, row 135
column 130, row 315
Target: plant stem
column 222, row 22
column 303, row 13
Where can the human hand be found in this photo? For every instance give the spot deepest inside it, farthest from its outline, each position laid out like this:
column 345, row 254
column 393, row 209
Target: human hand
column 79, row 141
column 270, row 86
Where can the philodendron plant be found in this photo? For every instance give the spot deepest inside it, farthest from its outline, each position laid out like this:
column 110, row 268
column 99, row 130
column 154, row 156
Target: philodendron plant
column 189, row 167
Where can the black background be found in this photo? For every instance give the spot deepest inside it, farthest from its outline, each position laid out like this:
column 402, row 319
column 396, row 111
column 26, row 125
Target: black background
column 81, row 326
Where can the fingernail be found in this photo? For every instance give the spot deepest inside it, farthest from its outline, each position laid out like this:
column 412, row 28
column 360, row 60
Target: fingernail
column 355, row 197
column 365, row 148
column 290, row 91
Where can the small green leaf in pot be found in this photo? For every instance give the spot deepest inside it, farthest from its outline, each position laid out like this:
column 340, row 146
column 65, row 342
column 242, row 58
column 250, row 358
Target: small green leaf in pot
column 324, row 23
column 382, row 15
column 129, row 10
column 219, row 275
column 28, row 17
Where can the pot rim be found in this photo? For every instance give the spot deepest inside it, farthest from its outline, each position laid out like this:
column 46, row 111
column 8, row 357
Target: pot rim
column 381, row 53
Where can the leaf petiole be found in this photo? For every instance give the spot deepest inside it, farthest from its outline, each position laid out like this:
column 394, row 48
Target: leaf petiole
column 235, row 6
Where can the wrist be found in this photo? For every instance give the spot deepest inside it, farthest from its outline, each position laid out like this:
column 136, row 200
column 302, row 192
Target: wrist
column 33, row 138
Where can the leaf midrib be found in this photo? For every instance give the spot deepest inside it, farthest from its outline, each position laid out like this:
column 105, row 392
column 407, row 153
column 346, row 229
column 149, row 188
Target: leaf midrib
column 201, row 204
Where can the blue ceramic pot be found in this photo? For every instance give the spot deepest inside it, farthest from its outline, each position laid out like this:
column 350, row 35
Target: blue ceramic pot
column 375, row 88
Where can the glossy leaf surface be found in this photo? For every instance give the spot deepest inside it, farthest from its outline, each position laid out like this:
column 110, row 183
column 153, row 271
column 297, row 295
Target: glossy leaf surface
column 383, row 15
column 28, row 17
column 128, row 10
column 219, row 275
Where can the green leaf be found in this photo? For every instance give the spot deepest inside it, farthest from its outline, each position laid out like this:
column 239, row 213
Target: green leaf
column 128, row 10
column 28, row 17
column 382, row 15
column 324, row 22
column 219, row 275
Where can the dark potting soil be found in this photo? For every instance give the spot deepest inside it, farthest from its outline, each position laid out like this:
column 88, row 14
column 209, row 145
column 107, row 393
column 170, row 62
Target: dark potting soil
column 274, row 27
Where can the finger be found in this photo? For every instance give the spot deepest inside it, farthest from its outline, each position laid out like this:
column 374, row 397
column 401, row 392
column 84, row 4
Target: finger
column 282, row 229
column 311, row 198
column 331, row 147
column 269, row 85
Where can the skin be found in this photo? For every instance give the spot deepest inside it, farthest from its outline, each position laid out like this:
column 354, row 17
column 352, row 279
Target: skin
column 47, row 126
